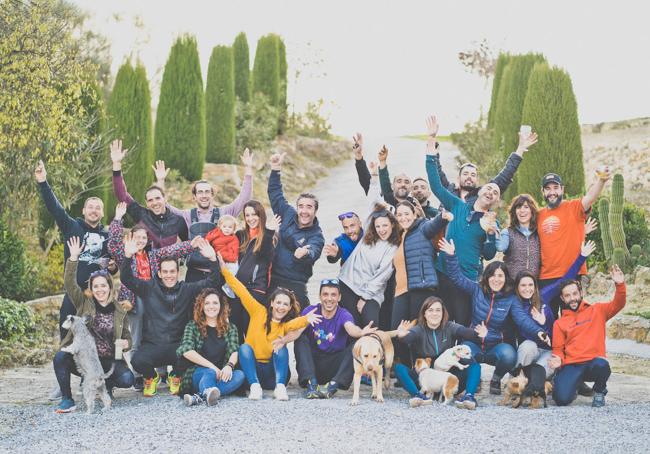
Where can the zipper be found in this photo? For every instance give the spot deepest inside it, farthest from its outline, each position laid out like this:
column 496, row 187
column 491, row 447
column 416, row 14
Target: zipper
column 487, row 321
column 435, row 342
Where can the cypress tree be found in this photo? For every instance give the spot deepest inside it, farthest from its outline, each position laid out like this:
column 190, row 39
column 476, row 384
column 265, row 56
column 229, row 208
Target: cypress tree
column 241, row 61
column 220, row 106
column 502, row 62
column 266, row 69
column 551, row 109
column 129, row 118
column 180, row 119
column 282, row 61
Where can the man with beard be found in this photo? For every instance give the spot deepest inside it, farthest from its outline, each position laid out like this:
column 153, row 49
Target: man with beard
column 345, row 243
column 467, row 186
column 561, row 228
column 474, row 227
column 203, row 218
column 163, row 227
column 579, row 341
column 301, row 238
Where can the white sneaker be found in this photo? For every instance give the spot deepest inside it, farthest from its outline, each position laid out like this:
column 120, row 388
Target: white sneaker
column 280, row 392
column 55, row 394
column 255, row 392
column 212, row 396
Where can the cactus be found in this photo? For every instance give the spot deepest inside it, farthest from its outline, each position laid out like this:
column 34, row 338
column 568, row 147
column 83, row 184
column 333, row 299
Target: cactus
column 618, row 258
column 603, row 214
column 636, row 251
column 616, row 215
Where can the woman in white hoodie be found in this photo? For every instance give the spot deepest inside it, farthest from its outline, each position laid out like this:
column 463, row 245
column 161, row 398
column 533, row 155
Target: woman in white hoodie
column 365, row 273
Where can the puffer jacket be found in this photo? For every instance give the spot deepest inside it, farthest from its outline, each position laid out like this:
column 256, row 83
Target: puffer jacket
column 492, row 308
column 285, row 265
column 425, row 342
column 419, row 252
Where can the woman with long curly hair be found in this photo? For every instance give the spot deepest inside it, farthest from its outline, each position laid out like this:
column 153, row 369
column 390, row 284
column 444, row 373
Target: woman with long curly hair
column 365, row 274
column 210, row 342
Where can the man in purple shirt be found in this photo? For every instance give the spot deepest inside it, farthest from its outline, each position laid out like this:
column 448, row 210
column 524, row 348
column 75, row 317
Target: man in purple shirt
column 324, row 351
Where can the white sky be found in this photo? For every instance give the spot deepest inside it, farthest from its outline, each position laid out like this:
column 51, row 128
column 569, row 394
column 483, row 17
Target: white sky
column 388, row 64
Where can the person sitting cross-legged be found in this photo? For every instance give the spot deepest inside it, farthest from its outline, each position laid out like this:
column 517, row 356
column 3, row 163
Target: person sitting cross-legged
column 324, row 351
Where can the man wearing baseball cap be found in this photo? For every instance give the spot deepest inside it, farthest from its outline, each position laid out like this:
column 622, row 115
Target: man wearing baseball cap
column 561, row 227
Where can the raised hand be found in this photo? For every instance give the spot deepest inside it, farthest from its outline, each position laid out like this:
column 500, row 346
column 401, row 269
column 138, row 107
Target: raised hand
column 447, row 246
column 488, row 222
column 538, row 316
column 432, row 126
column 331, row 250
column 403, row 328
column 587, row 248
column 196, row 241
column 117, row 153
column 274, row 223
column 206, row 250
column 368, row 329
column 301, row 251
column 590, row 225
column 313, row 318
column 160, row 171
column 276, row 160
column 357, row 147
column 382, row 156
column 130, row 245
column 526, row 141
column 604, row 173
column 120, row 211
column 247, row 158
column 75, row 248
column 617, row 275
column 40, row 173
column 481, row 330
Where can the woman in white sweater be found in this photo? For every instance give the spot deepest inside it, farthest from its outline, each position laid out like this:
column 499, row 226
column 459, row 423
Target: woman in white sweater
column 365, row 273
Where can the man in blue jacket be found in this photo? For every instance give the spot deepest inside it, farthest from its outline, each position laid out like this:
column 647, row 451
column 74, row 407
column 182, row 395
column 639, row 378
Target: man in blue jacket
column 344, row 244
column 301, row 238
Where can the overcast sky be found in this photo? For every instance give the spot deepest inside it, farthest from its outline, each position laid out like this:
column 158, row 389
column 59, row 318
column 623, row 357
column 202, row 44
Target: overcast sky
column 387, row 64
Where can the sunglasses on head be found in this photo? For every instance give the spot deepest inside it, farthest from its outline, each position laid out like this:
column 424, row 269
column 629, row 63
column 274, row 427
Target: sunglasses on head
column 349, row 214
column 102, row 273
column 334, row 282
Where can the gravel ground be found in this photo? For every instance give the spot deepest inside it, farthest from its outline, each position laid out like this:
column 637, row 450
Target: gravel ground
column 241, row 425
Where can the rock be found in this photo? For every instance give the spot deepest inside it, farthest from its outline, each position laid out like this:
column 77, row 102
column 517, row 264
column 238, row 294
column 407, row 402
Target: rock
column 630, row 327
column 600, row 284
column 642, row 276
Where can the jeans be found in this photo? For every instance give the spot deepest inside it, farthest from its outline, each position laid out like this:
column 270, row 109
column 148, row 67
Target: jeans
column 407, row 307
column 567, row 379
column 314, row 364
column 529, row 353
column 149, row 356
column 64, row 366
column 502, row 356
column 468, row 379
column 204, row 378
column 266, row 374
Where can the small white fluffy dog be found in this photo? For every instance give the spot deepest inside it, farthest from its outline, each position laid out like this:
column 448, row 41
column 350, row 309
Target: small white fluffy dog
column 451, row 357
column 435, row 381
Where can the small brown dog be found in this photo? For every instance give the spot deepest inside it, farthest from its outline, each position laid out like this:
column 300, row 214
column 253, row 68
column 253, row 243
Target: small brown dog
column 371, row 354
column 435, row 381
column 513, row 389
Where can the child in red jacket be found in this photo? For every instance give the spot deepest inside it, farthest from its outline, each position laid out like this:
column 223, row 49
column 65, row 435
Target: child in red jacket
column 225, row 242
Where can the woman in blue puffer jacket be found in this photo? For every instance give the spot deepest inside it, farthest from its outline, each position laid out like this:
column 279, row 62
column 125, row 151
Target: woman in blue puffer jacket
column 492, row 303
column 415, row 273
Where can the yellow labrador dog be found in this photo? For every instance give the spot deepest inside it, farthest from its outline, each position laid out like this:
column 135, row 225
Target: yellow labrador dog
column 371, row 354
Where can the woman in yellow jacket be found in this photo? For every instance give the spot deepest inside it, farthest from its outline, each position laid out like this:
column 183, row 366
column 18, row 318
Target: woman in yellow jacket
column 263, row 366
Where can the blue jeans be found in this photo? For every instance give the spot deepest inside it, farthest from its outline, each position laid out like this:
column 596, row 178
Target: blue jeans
column 468, row 378
column 204, row 378
column 567, row 379
column 266, row 374
column 64, row 366
column 502, row 356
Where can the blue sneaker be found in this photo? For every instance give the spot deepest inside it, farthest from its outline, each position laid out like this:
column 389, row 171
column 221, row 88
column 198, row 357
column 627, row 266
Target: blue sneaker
column 365, row 380
column 327, row 391
column 599, row 399
column 467, row 401
column 66, row 406
column 312, row 391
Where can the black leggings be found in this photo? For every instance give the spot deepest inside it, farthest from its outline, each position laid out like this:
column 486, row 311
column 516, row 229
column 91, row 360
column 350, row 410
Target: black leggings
column 370, row 312
column 457, row 302
column 407, row 307
column 238, row 315
column 149, row 356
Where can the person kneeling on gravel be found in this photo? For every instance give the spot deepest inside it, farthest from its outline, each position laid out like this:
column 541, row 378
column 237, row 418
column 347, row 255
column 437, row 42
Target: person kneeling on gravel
column 579, row 341
column 211, row 343
column 168, row 304
column 324, row 351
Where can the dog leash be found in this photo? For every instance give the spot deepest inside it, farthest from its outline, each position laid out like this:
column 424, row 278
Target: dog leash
column 381, row 346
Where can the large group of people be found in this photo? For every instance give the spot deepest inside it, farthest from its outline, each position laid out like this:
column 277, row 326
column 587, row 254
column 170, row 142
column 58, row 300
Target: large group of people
column 426, row 273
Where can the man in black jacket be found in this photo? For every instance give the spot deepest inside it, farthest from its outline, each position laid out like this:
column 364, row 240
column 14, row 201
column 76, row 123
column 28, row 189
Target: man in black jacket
column 169, row 304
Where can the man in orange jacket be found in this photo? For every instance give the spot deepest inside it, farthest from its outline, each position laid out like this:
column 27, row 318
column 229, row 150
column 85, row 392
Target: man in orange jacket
column 579, row 341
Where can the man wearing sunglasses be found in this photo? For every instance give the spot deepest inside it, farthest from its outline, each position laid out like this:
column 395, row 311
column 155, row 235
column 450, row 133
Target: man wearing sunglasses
column 324, row 351
column 345, row 243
